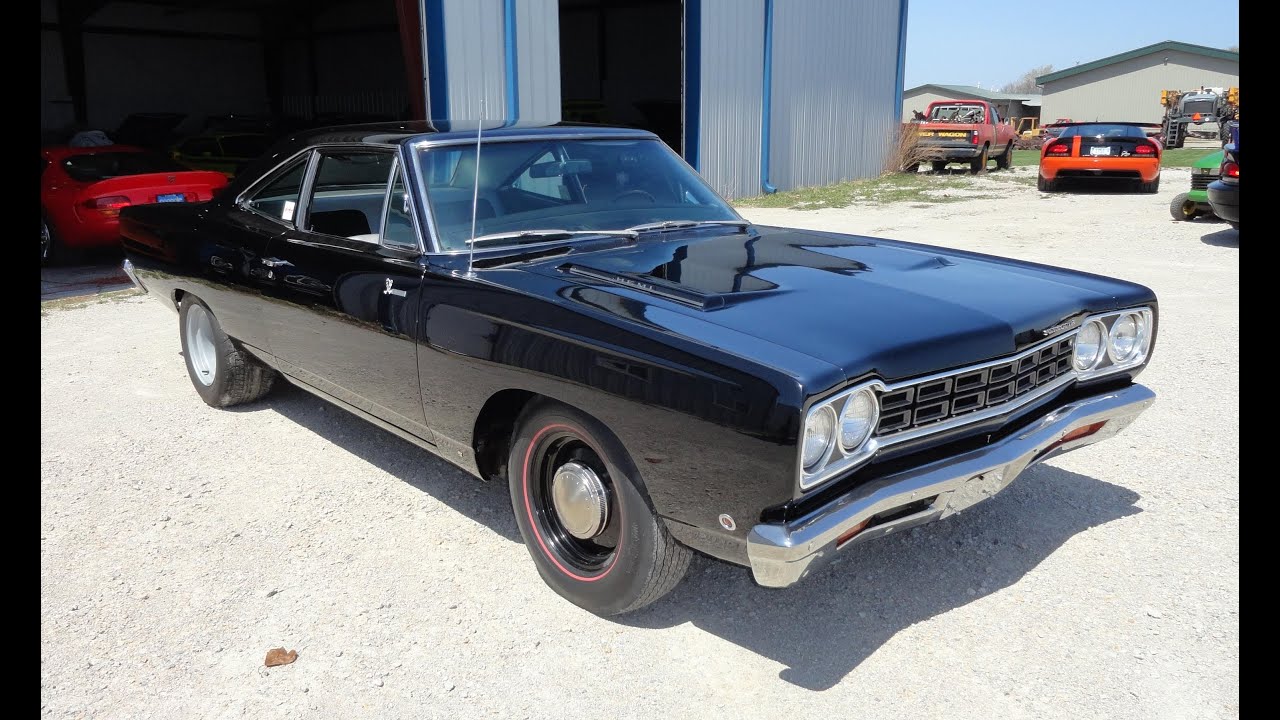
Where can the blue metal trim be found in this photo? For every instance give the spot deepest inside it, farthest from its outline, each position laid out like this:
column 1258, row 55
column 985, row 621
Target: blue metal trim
column 512, row 60
column 902, row 61
column 437, row 64
column 766, row 94
column 692, row 80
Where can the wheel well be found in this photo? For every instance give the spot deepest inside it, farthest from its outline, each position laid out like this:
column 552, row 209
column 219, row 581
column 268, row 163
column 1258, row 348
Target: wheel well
column 491, row 438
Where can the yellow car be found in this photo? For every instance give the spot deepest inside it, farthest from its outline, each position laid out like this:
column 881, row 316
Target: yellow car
column 222, row 152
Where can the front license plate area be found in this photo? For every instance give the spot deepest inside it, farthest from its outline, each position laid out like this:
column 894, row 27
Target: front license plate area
column 1097, row 151
column 171, row 197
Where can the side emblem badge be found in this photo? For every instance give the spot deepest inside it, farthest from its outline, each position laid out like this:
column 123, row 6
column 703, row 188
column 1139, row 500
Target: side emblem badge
column 392, row 291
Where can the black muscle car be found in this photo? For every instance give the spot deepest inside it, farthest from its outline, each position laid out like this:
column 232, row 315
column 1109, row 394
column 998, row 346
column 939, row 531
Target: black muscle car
column 571, row 310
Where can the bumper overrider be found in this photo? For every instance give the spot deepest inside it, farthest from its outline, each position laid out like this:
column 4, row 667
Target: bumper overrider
column 782, row 554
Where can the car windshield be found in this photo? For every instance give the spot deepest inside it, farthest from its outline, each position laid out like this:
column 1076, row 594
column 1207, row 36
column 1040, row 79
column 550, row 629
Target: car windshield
column 1104, row 130
column 93, row 167
column 573, row 185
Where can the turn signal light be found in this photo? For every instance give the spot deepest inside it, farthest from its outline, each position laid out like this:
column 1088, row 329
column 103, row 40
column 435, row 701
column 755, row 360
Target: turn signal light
column 109, row 205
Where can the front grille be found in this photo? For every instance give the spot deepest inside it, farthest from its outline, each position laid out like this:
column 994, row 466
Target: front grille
column 945, row 397
column 1201, row 182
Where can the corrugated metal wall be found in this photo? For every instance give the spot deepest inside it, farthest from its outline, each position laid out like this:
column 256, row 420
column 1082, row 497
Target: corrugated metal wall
column 732, row 60
column 538, row 48
column 1130, row 90
column 835, row 89
column 475, row 59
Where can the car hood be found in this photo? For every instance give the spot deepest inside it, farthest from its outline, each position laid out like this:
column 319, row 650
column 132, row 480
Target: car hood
column 863, row 305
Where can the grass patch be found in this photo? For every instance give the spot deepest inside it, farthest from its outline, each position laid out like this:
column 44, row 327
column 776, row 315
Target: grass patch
column 79, row 301
column 919, row 188
column 1184, row 157
column 1026, row 157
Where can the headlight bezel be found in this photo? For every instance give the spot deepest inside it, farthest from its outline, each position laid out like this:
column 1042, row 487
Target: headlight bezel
column 837, row 458
column 1109, row 362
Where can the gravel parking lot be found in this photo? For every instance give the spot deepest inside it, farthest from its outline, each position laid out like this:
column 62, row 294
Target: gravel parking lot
column 179, row 543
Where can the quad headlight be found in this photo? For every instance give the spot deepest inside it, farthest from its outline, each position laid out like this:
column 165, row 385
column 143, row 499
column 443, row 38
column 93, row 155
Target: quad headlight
column 1113, row 342
column 838, row 433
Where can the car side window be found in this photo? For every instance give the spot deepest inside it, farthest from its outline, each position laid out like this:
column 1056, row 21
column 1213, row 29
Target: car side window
column 398, row 230
column 347, row 194
column 995, row 117
column 279, row 198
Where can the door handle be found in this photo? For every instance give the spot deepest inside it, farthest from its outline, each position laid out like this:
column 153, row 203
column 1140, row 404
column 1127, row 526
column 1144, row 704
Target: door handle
column 276, row 262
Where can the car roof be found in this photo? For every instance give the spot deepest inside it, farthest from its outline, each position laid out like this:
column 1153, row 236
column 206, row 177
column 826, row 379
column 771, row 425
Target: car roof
column 390, row 133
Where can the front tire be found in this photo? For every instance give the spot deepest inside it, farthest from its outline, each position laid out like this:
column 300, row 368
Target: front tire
column 223, row 375
column 1181, row 208
column 979, row 164
column 589, row 527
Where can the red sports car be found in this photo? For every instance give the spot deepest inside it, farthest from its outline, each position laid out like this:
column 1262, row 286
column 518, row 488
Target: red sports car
column 83, row 188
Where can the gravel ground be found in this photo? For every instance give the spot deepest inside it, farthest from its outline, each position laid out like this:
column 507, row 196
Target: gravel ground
column 179, row 543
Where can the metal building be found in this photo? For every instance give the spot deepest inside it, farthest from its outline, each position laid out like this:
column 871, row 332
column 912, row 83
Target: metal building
column 756, row 94
column 1127, row 86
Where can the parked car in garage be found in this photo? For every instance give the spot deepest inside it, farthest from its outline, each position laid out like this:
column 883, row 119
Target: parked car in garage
column 1224, row 193
column 82, row 190
column 220, row 151
column 573, row 312
column 1101, row 150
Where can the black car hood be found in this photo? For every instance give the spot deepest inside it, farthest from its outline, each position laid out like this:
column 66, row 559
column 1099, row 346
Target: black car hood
column 861, row 304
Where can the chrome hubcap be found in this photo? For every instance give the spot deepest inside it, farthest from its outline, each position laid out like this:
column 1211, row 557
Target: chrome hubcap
column 580, row 500
column 200, row 349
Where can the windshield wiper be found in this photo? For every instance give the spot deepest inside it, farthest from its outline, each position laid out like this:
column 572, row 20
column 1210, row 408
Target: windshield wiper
column 524, row 237
column 665, row 225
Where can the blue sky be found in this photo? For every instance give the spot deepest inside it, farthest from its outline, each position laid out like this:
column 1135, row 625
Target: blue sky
column 991, row 42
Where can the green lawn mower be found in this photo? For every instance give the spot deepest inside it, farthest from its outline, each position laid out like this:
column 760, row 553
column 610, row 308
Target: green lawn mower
column 1191, row 205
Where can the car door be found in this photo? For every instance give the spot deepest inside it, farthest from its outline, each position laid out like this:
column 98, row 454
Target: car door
column 348, row 278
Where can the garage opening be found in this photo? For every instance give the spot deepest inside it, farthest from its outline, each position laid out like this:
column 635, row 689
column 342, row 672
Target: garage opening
column 620, row 64
column 161, row 72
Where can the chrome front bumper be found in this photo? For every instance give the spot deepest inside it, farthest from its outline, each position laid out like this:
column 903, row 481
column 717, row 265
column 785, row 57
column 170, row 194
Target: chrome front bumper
column 781, row 555
column 128, row 270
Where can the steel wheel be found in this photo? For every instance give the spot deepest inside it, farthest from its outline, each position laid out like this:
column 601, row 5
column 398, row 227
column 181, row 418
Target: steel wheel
column 200, row 344
column 570, row 499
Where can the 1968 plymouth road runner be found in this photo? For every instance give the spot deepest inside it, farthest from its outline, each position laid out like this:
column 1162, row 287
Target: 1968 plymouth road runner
column 571, row 310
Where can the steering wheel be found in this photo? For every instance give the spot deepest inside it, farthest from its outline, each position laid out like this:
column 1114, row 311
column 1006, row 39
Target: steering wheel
column 642, row 193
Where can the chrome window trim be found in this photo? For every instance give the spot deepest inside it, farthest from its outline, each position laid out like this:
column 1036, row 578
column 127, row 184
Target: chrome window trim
column 246, row 196
column 523, row 137
column 839, row 461
column 397, row 169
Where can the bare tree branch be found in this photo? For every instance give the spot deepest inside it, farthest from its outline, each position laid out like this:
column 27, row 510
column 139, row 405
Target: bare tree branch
column 1026, row 83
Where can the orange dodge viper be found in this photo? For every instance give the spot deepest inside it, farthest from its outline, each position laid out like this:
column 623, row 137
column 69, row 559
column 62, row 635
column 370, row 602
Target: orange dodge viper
column 1101, row 150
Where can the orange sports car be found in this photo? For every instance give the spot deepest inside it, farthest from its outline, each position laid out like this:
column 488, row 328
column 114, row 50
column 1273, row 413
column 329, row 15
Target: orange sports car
column 1101, row 150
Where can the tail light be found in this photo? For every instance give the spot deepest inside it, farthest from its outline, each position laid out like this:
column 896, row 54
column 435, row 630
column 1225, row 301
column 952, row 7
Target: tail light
column 973, row 137
column 1230, row 169
column 109, row 205
column 1145, row 149
column 1058, row 148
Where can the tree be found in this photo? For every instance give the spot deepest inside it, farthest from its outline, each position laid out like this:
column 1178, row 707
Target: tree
column 1234, row 48
column 1026, row 82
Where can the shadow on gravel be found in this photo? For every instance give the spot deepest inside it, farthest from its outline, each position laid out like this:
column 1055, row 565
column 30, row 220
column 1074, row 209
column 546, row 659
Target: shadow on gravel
column 825, row 626
column 487, row 503
column 1229, row 237
column 1097, row 186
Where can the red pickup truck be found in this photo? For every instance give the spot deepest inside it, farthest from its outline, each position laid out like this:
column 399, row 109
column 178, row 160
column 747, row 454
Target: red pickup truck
column 969, row 131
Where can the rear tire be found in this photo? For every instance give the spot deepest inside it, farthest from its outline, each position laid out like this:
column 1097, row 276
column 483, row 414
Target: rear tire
column 1150, row 187
column 222, row 374
column 1005, row 160
column 979, row 164
column 1044, row 185
column 1181, row 208
column 939, row 165
column 619, row 556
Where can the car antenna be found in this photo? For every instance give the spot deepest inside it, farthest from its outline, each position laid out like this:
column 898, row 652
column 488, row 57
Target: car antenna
column 475, row 195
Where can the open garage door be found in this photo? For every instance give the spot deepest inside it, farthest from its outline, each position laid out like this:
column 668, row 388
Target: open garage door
column 620, row 64
column 157, row 72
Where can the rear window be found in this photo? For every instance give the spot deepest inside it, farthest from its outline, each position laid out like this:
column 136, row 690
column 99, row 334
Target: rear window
column 958, row 113
column 104, row 166
column 1105, row 130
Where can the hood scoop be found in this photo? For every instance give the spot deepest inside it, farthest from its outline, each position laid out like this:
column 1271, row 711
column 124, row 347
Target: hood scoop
column 648, row 284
